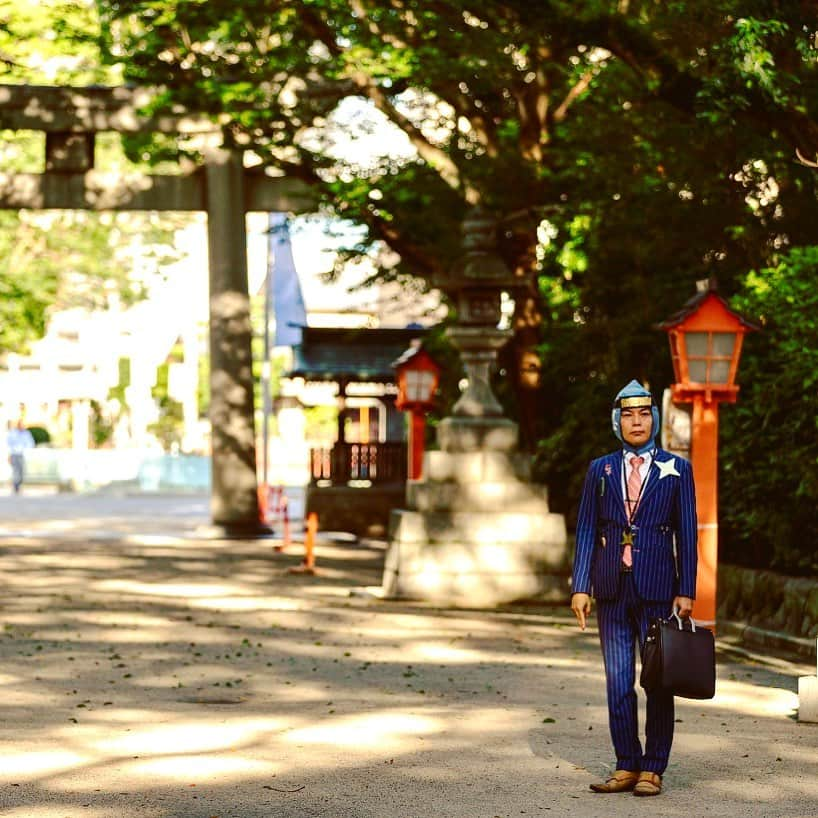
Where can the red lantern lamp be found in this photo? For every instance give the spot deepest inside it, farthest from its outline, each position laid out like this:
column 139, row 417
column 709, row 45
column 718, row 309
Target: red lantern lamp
column 705, row 345
column 417, row 375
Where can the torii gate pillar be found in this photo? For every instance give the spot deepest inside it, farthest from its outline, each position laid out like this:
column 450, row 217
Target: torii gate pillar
column 234, row 498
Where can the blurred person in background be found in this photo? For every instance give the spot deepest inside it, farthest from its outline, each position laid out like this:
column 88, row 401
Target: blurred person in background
column 18, row 440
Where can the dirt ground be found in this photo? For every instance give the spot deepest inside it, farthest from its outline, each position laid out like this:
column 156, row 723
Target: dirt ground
column 148, row 671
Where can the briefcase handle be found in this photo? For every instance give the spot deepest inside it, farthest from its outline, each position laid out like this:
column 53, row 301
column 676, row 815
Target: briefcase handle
column 678, row 618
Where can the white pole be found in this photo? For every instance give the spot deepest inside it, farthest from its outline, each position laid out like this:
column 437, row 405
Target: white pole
column 265, row 366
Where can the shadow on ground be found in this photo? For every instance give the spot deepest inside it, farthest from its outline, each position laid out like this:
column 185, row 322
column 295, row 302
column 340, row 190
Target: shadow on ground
column 151, row 674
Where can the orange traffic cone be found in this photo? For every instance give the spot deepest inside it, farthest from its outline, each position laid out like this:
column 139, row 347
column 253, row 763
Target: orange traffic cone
column 308, row 566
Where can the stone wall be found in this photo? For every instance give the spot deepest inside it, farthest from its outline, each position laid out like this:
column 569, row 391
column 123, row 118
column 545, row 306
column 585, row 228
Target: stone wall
column 770, row 609
column 361, row 511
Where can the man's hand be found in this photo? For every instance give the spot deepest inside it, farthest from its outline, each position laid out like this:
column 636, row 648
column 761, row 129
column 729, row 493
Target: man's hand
column 581, row 606
column 684, row 604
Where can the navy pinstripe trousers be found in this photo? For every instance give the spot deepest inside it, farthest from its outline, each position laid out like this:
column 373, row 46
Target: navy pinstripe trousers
column 622, row 622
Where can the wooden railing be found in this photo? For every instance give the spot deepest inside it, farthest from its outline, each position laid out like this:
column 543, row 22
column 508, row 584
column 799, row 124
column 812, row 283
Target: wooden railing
column 346, row 462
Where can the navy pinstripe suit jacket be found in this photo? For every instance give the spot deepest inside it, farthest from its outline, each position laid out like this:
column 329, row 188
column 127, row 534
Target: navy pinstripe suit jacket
column 665, row 545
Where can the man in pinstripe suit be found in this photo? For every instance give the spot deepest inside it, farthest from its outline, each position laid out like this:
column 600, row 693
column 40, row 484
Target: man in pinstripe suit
column 636, row 552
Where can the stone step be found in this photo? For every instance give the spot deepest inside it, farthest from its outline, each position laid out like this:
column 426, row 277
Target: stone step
column 476, row 467
column 542, row 531
column 468, row 434
column 472, row 574
column 508, row 495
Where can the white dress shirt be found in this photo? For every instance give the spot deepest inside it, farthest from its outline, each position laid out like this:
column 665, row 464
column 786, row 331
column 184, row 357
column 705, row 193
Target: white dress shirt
column 643, row 469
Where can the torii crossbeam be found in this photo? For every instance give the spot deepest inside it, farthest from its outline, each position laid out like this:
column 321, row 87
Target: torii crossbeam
column 222, row 187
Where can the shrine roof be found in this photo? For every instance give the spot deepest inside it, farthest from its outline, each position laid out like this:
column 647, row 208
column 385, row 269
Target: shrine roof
column 358, row 354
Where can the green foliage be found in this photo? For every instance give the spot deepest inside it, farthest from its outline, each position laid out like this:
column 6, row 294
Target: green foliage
column 321, row 424
column 40, row 435
column 169, row 427
column 24, row 299
column 56, row 259
column 203, row 386
column 51, row 42
column 547, row 109
column 124, row 381
column 61, row 260
column 769, row 440
column 102, row 427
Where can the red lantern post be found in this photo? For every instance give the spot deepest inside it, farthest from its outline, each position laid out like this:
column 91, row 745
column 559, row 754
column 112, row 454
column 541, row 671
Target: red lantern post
column 705, row 345
column 417, row 375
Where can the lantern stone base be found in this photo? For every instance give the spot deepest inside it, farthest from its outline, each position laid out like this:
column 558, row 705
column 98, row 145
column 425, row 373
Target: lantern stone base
column 808, row 698
column 477, row 435
column 476, row 533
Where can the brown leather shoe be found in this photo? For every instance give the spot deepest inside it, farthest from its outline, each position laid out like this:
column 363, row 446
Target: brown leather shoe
column 620, row 781
column 648, row 784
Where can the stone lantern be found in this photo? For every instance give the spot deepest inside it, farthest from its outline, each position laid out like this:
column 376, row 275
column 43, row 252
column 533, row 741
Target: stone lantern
column 475, row 285
column 476, row 532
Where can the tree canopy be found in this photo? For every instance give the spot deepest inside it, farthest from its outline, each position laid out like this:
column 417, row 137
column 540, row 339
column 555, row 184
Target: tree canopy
column 628, row 147
column 62, row 259
column 533, row 109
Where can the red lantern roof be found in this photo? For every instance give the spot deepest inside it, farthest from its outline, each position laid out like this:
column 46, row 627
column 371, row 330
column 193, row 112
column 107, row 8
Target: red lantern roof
column 708, row 308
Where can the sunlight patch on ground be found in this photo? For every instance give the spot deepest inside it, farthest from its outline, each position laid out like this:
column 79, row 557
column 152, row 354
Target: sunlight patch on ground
column 176, row 590
column 416, row 628
column 758, row 791
column 753, row 700
column 378, row 731
column 156, row 540
column 148, row 636
column 74, row 561
column 439, row 652
column 36, row 764
column 418, row 625
column 125, row 619
column 31, row 586
column 59, row 525
column 198, row 768
column 187, row 737
column 24, row 697
column 244, row 603
column 447, row 654
column 122, row 715
column 706, row 743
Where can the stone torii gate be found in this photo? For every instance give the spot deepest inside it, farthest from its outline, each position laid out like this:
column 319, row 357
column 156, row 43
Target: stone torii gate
column 223, row 188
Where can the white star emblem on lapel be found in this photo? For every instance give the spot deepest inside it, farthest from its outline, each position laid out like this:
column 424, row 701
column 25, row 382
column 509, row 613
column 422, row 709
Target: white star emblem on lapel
column 667, row 468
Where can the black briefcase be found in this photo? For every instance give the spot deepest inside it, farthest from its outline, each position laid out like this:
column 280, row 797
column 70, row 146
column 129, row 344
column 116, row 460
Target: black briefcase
column 680, row 658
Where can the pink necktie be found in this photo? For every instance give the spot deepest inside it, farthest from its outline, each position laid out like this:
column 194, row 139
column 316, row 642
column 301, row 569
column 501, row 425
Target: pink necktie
column 632, row 502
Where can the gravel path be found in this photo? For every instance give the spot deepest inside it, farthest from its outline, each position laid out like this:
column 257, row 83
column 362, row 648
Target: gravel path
column 147, row 672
